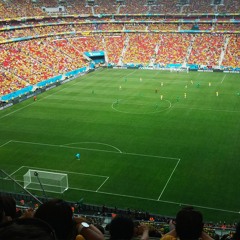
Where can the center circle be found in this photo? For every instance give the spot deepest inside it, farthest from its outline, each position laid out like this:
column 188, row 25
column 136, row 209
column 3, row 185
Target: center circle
column 138, row 106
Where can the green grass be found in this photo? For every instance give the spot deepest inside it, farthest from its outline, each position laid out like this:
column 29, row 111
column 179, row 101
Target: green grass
column 137, row 150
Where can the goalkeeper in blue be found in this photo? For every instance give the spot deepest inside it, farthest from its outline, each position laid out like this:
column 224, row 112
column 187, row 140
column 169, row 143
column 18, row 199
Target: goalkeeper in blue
column 78, row 156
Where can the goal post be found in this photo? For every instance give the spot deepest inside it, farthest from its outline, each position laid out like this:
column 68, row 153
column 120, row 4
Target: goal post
column 50, row 181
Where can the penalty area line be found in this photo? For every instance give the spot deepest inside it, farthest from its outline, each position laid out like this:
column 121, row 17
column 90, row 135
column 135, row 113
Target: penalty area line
column 6, row 143
column 16, row 171
column 169, row 179
column 96, row 150
column 102, row 184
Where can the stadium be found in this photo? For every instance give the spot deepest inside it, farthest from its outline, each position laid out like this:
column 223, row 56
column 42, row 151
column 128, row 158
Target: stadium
column 122, row 107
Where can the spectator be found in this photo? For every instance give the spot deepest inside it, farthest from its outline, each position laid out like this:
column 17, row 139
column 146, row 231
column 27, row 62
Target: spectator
column 236, row 235
column 58, row 214
column 122, row 228
column 189, row 226
column 9, row 206
column 26, row 229
column 87, row 231
column 1, row 211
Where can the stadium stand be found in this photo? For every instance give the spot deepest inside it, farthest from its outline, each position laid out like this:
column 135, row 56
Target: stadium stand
column 206, row 50
column 173, row 48
column 55, row 46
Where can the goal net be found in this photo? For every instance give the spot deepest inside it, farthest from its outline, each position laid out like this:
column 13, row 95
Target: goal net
column 49, row 181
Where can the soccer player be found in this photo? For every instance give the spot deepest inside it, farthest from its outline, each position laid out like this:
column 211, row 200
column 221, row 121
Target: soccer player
column 78, row 156
column 209, row 84
column 185, row 95
column 35, row 98
column 217, row 94
column 161, row 97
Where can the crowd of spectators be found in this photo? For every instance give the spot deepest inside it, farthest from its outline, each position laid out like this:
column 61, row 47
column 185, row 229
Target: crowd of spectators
column 28, row 8
column 201, row 6
column 26, row 63
column 135, row 26
column 163, row 26
column 56, row 219
column 43, row 30
column 164, row 6
column 140, row 48
column 77, row 7
column 206, row 49
column 114, row 46
column 173, row 48
column 105, row 7
column 55, row 52
column 232, row 56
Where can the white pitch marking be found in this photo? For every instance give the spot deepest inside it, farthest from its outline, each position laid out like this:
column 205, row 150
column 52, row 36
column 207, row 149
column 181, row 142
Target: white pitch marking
column 95, row 143
column 153, row 156
column 170, row 202
column 102, row 184
column 150, row 199
column 55, row 170
column 168, row 180
column 223, row 78
column 16, row 171
column 6, row 143
column 97, row 150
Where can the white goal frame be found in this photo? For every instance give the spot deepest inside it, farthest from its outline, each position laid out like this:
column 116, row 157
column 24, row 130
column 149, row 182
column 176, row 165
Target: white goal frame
column 43, row 180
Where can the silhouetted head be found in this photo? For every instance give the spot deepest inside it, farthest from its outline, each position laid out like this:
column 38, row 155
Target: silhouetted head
column 58, row 214
column 189, row 224
column 9, row 206
column 121, row 228
column 237, row 233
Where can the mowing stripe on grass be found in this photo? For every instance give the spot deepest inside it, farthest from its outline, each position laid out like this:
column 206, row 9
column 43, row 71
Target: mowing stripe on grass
column 43, row 98
column 207, row 109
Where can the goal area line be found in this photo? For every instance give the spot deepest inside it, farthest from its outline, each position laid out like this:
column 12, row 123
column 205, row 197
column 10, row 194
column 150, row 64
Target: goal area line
column 129, row 196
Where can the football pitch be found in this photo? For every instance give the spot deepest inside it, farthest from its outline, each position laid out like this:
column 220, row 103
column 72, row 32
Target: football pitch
column 149, row 140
